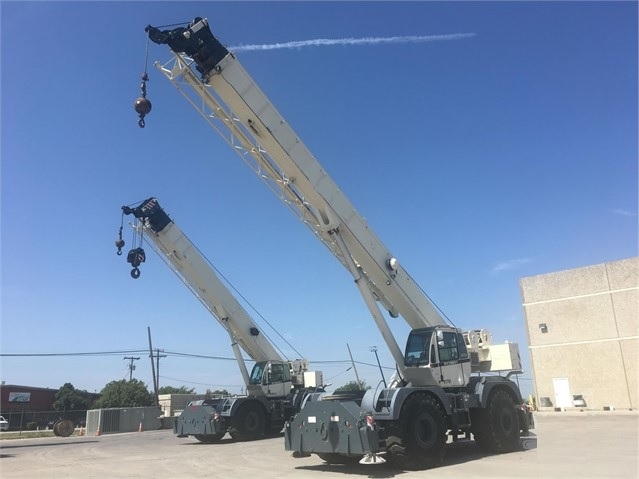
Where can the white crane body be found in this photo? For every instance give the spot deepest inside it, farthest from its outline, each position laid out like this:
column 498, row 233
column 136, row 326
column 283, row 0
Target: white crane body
column 273, row 381
column 434, row 370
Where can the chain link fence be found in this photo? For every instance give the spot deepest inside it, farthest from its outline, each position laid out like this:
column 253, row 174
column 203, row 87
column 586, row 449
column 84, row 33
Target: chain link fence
column 26, row 420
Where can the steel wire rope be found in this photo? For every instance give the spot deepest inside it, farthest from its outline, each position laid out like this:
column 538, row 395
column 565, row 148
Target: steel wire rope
column 251, row 306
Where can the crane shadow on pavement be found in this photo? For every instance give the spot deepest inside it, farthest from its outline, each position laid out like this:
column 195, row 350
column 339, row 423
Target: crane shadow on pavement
column 458, row 452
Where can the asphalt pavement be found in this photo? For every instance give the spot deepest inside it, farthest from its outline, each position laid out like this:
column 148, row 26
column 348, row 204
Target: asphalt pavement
column 563, row 445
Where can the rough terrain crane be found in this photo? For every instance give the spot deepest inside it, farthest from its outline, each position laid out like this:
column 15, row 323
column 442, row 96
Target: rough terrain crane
column 276, row 387
column 439, row 387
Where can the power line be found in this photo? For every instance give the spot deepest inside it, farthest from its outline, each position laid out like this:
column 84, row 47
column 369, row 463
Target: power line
column 168, row 353
column 98, row 353
column 203, row 384
column 198, row 356
column 187, row 355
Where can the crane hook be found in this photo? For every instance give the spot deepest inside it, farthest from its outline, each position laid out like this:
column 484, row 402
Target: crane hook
column 142, row 105
column 136, row 257
column 119, row 243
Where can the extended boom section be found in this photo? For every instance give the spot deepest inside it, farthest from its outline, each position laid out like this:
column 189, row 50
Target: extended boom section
column 235, row 106
column 435, row 392
column 197, row 274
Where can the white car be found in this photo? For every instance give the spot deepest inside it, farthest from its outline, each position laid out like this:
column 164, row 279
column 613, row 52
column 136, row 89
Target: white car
column 4, row 424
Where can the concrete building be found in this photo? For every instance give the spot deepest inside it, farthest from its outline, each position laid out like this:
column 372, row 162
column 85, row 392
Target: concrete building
column 583, row 335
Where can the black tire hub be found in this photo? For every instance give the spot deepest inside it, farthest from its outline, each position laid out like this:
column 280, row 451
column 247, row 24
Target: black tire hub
column 251, row 422
column 425, row 431
column 506, row 421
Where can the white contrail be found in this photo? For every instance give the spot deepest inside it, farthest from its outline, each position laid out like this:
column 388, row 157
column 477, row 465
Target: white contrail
column 328, row 42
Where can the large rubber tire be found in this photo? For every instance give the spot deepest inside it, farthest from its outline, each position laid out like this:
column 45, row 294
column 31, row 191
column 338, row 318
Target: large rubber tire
column 248, row 423
column 334, row 458
column 496, row 427
column 209, row 438
column 418, row 440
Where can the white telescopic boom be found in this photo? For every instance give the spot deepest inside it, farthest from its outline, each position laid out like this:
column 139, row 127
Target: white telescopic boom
column 198, row 275
column 229, row 99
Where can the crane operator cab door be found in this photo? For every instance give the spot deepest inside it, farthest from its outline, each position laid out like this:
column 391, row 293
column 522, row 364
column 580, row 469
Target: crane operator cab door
column 451, row 366
column 437, row 356
column 278, row 379
column 273, row 377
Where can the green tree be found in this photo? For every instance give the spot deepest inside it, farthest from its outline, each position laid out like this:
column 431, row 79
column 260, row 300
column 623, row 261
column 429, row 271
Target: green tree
column 174, row 390
column 69, row 398
column 352, row 386
column 217, row 392
column 124, row 394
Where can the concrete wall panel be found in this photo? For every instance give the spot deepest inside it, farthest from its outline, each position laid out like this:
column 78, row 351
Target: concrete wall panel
column 594, row 370
column 626, row 310
column 565, row 284
column 571, row 320
column 630, row 351
column 592, row 319
column 623, row 274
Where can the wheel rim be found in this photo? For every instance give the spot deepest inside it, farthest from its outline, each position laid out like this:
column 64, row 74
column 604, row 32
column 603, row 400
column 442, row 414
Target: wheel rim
column 425, row 431
column 252, row 421
column 506, row 422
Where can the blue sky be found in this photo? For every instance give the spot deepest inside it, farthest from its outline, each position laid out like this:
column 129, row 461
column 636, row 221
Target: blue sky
column 480, row 160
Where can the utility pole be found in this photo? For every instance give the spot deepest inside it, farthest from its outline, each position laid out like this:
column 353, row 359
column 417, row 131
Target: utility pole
column 155, row 381
column 131, row 365
column 359, row 384
column 374, row 349
column 157, row 364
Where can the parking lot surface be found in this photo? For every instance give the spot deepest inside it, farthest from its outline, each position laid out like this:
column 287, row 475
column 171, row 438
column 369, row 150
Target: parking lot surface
column 565, row 445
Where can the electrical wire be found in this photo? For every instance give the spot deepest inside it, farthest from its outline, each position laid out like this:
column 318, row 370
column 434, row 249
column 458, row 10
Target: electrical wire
column 203, row 384
column 98, row 353
column 183, row 355
column 199, row 356
column 250, row 305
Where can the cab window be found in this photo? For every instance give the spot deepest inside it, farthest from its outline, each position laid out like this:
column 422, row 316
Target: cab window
column 461, row 346
column 417, row 348
column 257, row 373
column 447, row 346
column 277, row 373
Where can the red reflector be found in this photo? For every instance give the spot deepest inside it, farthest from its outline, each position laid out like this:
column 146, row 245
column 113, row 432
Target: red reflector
column 370, row 422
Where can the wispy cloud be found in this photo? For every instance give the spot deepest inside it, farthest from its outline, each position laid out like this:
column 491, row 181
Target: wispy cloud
column 622, row 212
column 329, row 42
column 510, row 265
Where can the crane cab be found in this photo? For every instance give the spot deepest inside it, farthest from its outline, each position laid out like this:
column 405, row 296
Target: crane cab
column 436, row 356
column 270, row 378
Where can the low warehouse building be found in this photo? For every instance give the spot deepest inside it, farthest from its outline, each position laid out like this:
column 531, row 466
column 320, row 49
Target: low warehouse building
column 583, row 335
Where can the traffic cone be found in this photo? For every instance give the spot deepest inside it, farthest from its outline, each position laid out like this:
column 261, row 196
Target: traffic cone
column 98, row 432
column 140, row 427
column 81, row 431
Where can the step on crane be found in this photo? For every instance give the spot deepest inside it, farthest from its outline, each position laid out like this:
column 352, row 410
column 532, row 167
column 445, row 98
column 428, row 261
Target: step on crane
column 448, row 381
column 276, row 388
